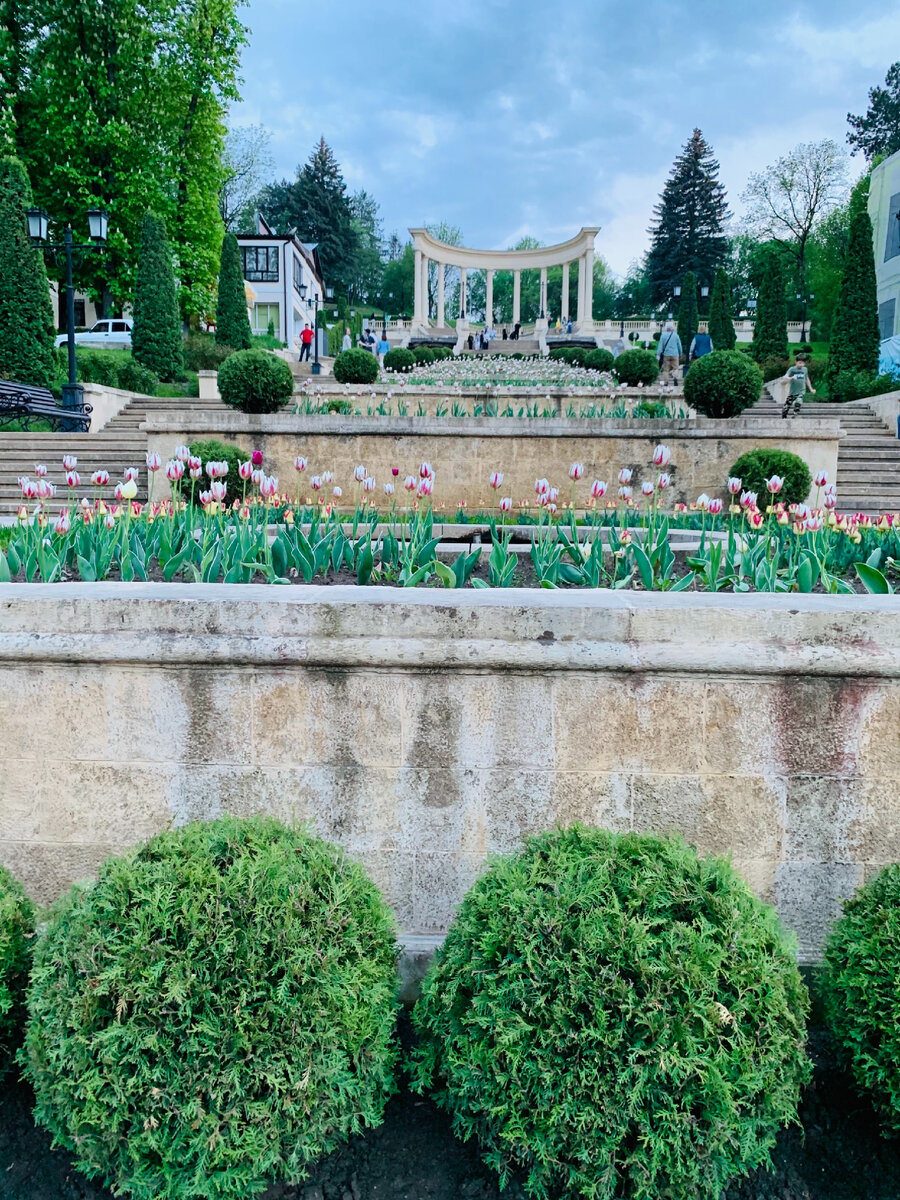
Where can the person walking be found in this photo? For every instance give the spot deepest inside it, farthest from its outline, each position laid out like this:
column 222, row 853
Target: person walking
column 618, row 347
column 701, row 345
column 382, row 348
column 306, row 338
column 797, row 378
column 669, row 354
column 346, row 340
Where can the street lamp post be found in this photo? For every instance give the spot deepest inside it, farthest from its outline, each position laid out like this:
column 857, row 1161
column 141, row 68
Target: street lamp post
column 803, row 298
column 98, row 227
column 329, row 297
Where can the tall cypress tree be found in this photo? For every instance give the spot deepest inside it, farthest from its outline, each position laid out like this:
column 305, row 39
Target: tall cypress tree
column 770, row 330
column 855, row 336
column 688, row 230
column 721, row 325
column 688, row 313
column 26, row 311
column 156, row 337
column 232, row 322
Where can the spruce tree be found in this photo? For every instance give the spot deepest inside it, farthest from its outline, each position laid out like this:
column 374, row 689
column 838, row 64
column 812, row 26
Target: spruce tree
column 688, row 223
column 688, row 313
column 721, row 325
column 232, row 323
column 855, row 336
column 26, row 312
column 770, row 330
column 156, row 337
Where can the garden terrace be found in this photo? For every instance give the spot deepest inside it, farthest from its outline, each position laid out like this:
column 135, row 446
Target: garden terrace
column 425, row 731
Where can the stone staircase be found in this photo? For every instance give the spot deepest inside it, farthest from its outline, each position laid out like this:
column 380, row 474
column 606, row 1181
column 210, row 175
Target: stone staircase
column 868, row 474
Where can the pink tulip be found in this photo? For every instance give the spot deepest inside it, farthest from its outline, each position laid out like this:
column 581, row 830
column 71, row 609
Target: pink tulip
column 714, row 507
column 45, row 490
column 395, row 471
column 100, row 478
column 748, row 499
column 196, row 472
column 410, row 483
column 662, row 456
column 647, row 488
column 245, row 469
column 506, row 504
column 624, row 476
column 829, row 500
column 389, row 489
column 69, row 462
column 703, row 502
column 218, row 489
column 117, row 493
column 426, row 485
column 426, row 471
column 337, row 493
column 813, row 523
column 174, row 470
column 299, row 463
column 29, row 490
column 359, row 473
column 256, row 476
column 73, row 479
column 268, row 486
column 110, row 520
column 130, row 473
column 40, row 470
column 734, row 485
column 599, row 489
column 62, row 524
column 369, row 483
column 315, row 483
column 182, row 453
column 194, row 463
column 154, row 462
column 257, row 458
column 576, row 471
column 663, row 481
column 821, row 479
column 541, row 487
column 205, row 498
column 496, row 479
column 624, row 492
column 774, row 485
column 328, row 476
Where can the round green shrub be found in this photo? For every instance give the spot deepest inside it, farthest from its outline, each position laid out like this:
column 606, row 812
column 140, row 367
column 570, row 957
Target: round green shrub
column 215, row 1012
column 600, row 359
column 423, row 355
column 213, row 451
column 756, row 466
column 136, row 378
column 255, row 381
column 356, row 366
column 773, row 367
column 634, row 367
column 722, row 384
column 399, row 360
column 613, row 1016
column 16, row 933
column 862, row 966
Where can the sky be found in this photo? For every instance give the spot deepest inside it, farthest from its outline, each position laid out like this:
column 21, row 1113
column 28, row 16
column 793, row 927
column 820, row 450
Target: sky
column 510, row 117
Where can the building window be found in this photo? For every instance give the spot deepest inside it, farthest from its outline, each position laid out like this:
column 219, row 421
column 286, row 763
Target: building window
column 887, row 313
column 298, row 274
column 892, row 247
column 260, row 263
column 263, row 314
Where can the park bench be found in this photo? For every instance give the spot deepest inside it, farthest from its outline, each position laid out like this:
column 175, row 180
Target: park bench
column 26, row 405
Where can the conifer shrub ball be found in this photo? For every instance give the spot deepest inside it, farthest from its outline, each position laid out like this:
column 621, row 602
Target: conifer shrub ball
column 612, row 1016
column 862, row 996
column 16, row 934
column 214, row 1012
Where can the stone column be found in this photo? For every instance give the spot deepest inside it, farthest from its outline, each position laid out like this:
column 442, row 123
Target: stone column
column 589, row 285
column 564, row 312
column 418, row 306
column 441, row 315
column 463, row 308
column 517, row 297
column 489, row 301
column 580, row 316
column 543, row 312
column 425, row 317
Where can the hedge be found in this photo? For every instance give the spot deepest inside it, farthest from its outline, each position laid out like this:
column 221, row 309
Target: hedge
column 356, row 366
column 255, row 381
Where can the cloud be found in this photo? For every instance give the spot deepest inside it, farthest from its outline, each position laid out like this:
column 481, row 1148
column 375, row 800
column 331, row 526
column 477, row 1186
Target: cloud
column 869, row 44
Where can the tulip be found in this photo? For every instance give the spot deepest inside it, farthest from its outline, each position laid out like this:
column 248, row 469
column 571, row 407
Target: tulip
column 748, row 499
column 128, row 489
column 63, row 524
column 315, row 483
column 702, row 502
column 756, row 519
column 73, row 479
column 662, row 456
column 624, row 476
column 69, row 462
column 268, row 486
column 426, row 486
column 328, row 476
column 174, row 469
column 506, row 504
column 154, row 462
column 389, row 489
column 100, row 478
column 22, row 513
column 775, row 484
column 337, row 493
column 599, row 488
column 110, row 520
column 196, row 472
column 256, row 458
column 813, row 523
column 410, row 483
column 625, row 492
column 245, row 470
column 299, row 463
column 663, row 481
column 217, row 489
column 369, row 483
column 29, row 491
column 576, row 471
column 829, row 500
column 359, row 473
column 821, row 479
column 426, row 471
column 734, row 485
column 244, row 512
column 647, row 488
column 496, row 479
column 395, row 471
column 541, row 487
column 714, row 507
column 256, row 476
column 40, row 470
column 130, row 473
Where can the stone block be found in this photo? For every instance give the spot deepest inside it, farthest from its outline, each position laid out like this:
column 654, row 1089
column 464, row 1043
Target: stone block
column 719, row 814
column 440, row 882
column 392, row 873
column 879, row 737
column 824, row 819
column 47, row 870
column 442, row 809
column 809, row 895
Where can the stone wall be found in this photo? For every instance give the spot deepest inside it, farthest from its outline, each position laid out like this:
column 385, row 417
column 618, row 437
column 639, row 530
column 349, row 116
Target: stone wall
column 464, row 451
column 426, row 730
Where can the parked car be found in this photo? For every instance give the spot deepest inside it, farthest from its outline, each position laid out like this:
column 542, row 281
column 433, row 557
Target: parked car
column 115, row 334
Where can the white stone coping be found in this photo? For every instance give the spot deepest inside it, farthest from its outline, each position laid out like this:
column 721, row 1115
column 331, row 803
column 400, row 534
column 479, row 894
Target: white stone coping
column 298, row 424
column 489, row 630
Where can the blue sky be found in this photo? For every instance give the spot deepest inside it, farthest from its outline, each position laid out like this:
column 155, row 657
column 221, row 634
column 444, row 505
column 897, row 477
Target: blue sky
column 509, row 117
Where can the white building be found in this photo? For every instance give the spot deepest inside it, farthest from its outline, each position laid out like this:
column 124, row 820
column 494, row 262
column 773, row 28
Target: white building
column 884, row 209
column 285, row 277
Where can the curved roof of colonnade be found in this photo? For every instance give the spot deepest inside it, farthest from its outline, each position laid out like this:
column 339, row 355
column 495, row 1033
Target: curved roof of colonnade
column 505, row 260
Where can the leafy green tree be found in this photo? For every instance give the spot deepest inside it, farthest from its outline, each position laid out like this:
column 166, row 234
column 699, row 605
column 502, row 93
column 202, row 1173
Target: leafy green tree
column 825, row 268
column 770, row 330
column 232, row 322
column 688, row 230
column 721, row 325
column 878, row 132
column 26, row 312
column 156, row 337
column 365, row 283
column 855, row 334
column 688, row 312
column 398, row 282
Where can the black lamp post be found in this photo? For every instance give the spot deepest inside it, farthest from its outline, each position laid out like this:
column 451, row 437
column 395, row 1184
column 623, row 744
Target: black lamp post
column 329, row 296
column 624, row 302
column 98, row 227
column 804, row 298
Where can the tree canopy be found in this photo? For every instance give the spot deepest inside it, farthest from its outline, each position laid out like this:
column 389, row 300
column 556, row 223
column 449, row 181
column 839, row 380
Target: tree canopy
column 878, row 131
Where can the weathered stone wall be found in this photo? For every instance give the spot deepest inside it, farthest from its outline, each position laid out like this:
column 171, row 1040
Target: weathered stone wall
column 424, row 731
column 464, row 451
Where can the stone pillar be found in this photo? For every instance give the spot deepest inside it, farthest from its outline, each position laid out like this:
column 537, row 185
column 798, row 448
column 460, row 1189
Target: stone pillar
column 544, row 312
column 425, row 317
column 418, row 306
column 517, row 297
column 589, row 285
column 580, row 315
column 441, row 315
column 489, row 301
column 564, row 312
column 463, row 308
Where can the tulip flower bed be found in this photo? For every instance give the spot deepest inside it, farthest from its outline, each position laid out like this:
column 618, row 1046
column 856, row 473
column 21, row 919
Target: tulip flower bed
column 586, row 540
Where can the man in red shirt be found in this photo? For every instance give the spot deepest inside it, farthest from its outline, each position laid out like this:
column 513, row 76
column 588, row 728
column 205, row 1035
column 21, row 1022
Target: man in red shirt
column 306, row 338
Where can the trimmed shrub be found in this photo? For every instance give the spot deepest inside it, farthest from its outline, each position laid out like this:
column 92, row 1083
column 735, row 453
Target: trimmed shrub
column 225, row 1014
column 858, row 385
column 855, row 336
column 770, row 327
column 203, row 353
column 423, row 355
column 135, row 378
column 721, row 325
column 213, row 451
column 232, row 322
column 255, row 381
column 600, row 359
column 156, row 336
column 356, row 366
column 399, row 360
column 26, row 311
column 862, row 965
column 95, row 366
column 774, row 367
column 722, row 384
column 756, row 466
column 613, row 1016
column 633, row 367
column 16, row 933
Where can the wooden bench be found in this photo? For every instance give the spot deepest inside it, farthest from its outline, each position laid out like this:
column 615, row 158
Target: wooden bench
column 26, row 405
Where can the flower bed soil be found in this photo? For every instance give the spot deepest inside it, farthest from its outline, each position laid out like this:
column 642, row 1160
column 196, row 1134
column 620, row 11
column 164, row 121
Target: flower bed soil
column 838, row 1155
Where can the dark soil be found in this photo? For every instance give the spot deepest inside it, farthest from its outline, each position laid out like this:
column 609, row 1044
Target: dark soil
column 838, row 1155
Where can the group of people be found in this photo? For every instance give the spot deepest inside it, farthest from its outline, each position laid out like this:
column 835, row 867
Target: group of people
column 670, row 351
column 378, row 346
